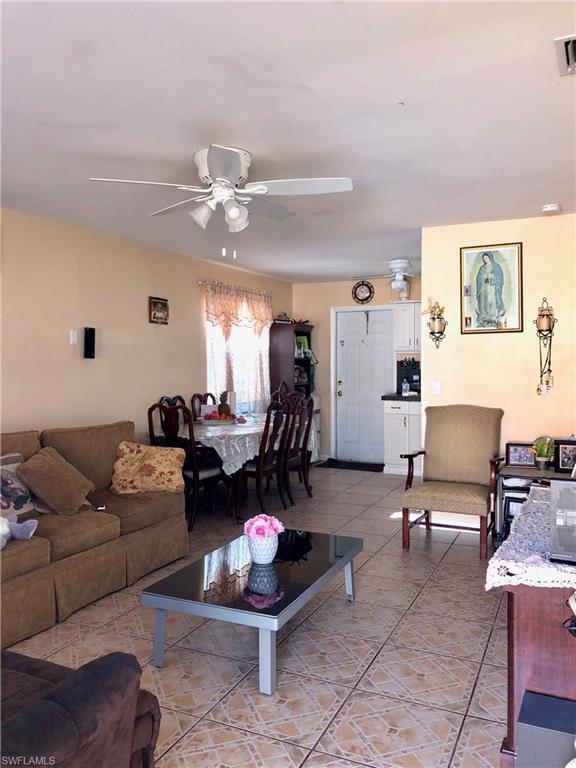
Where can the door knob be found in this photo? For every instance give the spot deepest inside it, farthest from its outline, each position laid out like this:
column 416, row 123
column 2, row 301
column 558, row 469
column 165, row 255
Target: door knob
column 339, row 393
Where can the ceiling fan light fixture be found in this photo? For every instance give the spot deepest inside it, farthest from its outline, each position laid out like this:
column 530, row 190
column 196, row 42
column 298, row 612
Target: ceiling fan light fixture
column 236, row 223
column 203, row 213
column 398, row 283
column 233, row 208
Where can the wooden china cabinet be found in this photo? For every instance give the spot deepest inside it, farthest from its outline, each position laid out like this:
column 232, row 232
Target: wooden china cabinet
column 284, row 364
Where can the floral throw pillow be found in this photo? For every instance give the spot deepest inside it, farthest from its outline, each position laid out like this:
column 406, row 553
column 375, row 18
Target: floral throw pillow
column 139, row 468
column 15, row 496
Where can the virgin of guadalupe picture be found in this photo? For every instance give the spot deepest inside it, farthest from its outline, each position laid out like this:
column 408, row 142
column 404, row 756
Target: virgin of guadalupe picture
column 491, row 288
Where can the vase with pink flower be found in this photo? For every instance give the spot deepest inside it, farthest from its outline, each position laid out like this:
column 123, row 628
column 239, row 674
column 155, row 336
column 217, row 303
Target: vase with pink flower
column 262, row 533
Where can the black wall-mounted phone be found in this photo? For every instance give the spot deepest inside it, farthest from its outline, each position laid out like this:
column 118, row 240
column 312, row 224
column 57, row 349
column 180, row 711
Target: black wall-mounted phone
column 90, row 343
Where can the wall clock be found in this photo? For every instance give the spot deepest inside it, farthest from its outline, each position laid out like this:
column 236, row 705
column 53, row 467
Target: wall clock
column 363, row 292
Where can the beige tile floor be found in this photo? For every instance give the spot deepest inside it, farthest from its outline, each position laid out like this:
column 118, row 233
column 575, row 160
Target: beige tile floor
column 411, row 675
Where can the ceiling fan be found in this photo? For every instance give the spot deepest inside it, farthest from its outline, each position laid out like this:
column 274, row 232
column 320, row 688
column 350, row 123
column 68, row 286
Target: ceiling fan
column 224, row 169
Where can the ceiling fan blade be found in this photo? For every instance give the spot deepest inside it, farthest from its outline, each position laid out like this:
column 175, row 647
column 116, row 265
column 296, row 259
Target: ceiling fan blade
column 262, row 207
column 298, row 186
column 185, row 187
column 224, row 163
column 175, row 207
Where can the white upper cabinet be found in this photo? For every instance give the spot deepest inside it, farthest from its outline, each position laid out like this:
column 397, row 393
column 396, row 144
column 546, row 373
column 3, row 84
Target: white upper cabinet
column 407, row 325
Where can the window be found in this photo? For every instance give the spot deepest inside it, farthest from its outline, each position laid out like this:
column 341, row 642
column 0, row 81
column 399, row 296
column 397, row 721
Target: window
column 237, row 343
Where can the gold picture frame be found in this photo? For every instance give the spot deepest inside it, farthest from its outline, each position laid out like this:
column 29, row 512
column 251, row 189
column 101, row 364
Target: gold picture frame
column 491, row 299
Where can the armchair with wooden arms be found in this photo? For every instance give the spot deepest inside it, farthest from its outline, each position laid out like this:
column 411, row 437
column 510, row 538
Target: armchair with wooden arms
column 460, row 469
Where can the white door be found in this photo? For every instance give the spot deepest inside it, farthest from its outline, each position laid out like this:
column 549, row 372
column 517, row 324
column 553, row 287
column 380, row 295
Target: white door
column 364, row 372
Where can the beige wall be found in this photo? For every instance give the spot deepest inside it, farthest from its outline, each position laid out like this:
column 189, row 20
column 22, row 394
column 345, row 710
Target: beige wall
column 502, row 369
column 56, row 277
column 313, row 301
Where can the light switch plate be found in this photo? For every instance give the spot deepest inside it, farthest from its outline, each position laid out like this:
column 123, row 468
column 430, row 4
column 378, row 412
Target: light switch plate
column 436, row 387
column 73, row 335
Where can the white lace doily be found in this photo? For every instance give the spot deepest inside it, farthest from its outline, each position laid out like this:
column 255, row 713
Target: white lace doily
column 523, row 557
column 236, row 443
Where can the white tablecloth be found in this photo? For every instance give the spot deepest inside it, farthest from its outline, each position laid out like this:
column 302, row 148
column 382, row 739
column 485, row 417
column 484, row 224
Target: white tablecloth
column 235, row 443
column 523, row 557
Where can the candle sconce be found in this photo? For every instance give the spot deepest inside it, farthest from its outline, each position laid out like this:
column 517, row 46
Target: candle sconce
column 545, row 322
column 436, row 324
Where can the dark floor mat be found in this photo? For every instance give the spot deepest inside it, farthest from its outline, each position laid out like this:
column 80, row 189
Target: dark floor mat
column 363, row 466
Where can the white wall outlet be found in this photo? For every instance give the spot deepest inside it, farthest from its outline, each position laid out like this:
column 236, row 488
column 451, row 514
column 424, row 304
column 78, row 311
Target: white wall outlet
column 436, row 387
column 73, row 335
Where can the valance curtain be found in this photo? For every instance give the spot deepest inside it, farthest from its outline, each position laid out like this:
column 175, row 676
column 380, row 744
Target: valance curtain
column 230, row 305
column 238, row 324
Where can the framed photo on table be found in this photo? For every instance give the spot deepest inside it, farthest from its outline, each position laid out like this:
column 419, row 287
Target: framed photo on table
column 565, row 455
column 491, row 288
column 520, row 455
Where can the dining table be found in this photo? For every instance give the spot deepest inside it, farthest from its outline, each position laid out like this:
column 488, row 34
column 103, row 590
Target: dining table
column 236, row 443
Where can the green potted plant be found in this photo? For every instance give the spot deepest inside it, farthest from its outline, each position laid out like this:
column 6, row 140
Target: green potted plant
column 543, row 450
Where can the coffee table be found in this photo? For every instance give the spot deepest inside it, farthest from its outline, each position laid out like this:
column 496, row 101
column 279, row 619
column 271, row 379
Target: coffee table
column 226, row 586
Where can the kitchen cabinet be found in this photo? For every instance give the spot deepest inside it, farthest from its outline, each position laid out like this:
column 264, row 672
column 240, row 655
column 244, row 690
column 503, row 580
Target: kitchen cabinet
column 407, row 326
column 402, row 434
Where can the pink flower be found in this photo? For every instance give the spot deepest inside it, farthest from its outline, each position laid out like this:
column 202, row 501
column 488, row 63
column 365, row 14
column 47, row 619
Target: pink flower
column 263, row 525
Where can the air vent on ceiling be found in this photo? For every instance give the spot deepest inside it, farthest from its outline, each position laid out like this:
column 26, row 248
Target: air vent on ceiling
column 566, row 54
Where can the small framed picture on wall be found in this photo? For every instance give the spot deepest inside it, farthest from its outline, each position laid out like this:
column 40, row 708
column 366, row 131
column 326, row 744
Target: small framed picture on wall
column 158, row 310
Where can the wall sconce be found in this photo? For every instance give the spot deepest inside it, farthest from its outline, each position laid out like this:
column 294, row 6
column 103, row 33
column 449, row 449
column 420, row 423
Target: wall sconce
column 545, row 322
column 437, row 324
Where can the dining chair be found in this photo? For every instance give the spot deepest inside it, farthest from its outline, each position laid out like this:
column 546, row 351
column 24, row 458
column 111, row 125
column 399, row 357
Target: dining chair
column 460, row 469
column 280, row 392
column 268, row 462
column 177, row 425
column 198, row 400
column 296, row 454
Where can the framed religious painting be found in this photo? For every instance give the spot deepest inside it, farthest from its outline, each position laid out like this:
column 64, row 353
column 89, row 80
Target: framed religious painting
column 491, row 289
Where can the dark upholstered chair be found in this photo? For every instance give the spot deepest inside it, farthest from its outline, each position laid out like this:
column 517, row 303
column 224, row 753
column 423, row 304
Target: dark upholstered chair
column 94, row 716
column 460, row 466
column 199, row 400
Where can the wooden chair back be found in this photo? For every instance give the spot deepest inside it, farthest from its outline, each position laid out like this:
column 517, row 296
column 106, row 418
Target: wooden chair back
column 276, row 429
column 199, row 400
column 280, row 392
column 177, row 430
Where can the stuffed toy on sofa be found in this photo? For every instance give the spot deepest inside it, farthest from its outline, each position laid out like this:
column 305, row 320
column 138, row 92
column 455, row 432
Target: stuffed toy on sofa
column 10, row 528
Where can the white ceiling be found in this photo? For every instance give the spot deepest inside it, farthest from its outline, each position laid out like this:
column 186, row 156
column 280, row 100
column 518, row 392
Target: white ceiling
column 440, row 112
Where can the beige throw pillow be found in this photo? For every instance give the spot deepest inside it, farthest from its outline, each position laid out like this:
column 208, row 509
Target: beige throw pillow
column 55, row 481
column 140, row 468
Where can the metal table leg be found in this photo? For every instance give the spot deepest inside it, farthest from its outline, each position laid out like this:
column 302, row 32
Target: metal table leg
column 267, row 671
column 159, row 637
column 349, row 580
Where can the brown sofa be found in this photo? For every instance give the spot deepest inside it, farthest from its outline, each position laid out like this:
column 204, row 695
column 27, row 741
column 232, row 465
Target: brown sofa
column 94, row 716
column 72, row 561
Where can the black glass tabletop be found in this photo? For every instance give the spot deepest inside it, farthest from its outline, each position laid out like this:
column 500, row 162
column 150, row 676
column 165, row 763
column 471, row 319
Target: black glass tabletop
column 227, row 577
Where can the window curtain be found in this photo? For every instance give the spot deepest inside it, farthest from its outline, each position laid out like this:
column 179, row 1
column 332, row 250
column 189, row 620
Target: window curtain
column 238, row 324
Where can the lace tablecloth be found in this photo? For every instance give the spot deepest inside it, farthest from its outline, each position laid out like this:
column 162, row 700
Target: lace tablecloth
column 523, row 557
column 236, row 443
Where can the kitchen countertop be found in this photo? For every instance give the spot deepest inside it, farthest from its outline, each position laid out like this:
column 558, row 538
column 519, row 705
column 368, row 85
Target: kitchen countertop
column 395, row 396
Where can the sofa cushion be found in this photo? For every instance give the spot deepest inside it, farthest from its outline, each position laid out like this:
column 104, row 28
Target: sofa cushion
column 139, row 510
column 140, row 468
column 85, row 530
column 92, row 450
column 55, row 481
column 26, row 443
column 464, row 498
column 20, row 557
